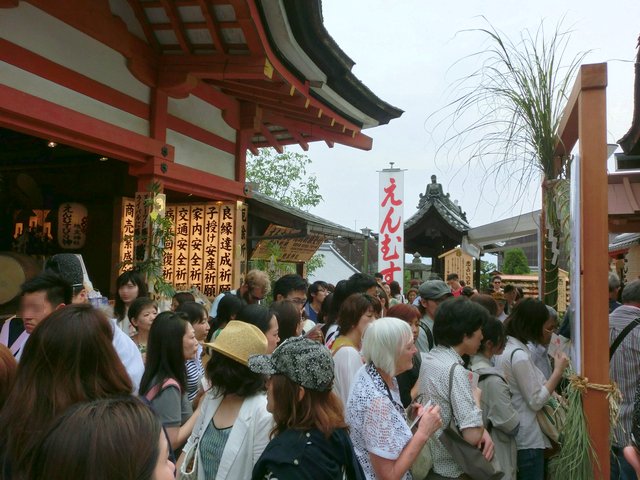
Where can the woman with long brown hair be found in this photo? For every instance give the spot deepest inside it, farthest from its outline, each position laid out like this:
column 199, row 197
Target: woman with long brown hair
column 310, row 438
column 68, row 359
column 8, row 371
column 172, row 341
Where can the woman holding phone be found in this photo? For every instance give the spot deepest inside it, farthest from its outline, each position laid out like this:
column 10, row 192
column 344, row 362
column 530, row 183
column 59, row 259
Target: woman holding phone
column 383, row 442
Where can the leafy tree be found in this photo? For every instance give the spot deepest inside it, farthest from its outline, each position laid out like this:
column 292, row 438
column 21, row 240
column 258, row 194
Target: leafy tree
column 485, row 275
column 284, row 177
column 519, row 91
column 515, row 262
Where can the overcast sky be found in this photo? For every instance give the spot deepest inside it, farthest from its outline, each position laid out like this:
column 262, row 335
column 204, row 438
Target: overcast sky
column 403, row 52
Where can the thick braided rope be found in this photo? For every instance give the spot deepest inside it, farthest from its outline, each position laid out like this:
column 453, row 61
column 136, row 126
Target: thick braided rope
column 614, row 396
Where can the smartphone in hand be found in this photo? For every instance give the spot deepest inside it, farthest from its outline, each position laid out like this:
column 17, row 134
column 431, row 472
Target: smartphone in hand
column 414, row 425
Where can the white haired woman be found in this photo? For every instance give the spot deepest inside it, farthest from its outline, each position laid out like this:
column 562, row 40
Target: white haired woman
column 382, row 440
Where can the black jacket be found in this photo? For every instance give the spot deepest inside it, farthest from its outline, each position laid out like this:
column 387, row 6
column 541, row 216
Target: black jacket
column 309, row 455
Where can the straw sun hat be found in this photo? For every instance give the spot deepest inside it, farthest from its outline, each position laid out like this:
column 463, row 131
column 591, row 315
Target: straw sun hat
column 239, row 340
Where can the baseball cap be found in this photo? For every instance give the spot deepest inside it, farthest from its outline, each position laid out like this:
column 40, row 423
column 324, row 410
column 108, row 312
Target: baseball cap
column 434, row 289
column 301, row 360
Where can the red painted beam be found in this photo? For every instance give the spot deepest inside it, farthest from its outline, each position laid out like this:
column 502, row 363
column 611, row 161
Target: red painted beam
column 44, row 119
column 273, row 141
column 200, row 134
column 159, row 114
column 243, row 143
column 45, row 68
column 357, row 140
column 182, row 178
column 215, row 67
column 97, row 21
column 302, row 124
column 301, row 141
column 172, row 12
column 212, row 26
column 141, row 16
column 229, row 105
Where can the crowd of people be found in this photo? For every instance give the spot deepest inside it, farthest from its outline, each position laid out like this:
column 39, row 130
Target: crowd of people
column 320, row 381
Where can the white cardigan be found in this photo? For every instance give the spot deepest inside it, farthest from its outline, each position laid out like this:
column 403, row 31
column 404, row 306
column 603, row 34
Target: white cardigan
column 248, row 437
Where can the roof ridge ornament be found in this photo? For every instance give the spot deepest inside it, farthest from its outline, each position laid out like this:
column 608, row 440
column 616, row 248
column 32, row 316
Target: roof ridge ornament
column 434, row 192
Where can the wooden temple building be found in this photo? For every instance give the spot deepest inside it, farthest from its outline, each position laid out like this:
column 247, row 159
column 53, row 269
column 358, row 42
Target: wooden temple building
column 438, row 226
column 100, row 99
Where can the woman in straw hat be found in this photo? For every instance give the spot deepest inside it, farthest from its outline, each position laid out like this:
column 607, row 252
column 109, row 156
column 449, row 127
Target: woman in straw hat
column 310, row 438
column 233, row 427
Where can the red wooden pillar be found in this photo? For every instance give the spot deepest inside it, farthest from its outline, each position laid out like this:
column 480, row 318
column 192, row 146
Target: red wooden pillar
column 592, row 128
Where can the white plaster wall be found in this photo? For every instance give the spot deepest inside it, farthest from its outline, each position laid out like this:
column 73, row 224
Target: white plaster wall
column 201, row 156
column 53, row 39
column 27, row 82
column 198, row 112
column 334, row 269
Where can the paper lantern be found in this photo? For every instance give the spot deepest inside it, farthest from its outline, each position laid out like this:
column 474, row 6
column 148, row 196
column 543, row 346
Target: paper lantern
column 72, row 226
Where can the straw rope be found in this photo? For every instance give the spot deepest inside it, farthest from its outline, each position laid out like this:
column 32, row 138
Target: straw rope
column 614, row 395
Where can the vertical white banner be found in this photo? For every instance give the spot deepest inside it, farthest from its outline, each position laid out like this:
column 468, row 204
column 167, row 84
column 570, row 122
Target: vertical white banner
column 391, row 225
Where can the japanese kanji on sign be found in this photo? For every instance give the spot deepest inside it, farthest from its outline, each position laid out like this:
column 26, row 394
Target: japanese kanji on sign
column 391, row 215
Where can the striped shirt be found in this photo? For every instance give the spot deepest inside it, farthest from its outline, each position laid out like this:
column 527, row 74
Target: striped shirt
column 624, row 368
column 195, row 371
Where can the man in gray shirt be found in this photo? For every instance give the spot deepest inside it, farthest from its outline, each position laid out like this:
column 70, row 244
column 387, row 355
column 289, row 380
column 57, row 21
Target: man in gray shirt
column 431, row 294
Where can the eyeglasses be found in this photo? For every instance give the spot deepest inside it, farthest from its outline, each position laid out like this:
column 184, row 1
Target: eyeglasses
column 297, row 301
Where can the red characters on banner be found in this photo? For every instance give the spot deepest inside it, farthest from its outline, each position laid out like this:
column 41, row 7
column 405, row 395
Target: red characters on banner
column 389, row 273
column 390, row 194
column 391, row 233
column 387, row 224
column 385, row 249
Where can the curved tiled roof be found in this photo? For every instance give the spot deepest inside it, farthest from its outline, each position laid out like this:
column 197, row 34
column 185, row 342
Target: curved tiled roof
column 306, row 22
column 453, row 218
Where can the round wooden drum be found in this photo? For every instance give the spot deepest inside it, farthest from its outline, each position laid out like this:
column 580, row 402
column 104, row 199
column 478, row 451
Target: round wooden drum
column 15, row 269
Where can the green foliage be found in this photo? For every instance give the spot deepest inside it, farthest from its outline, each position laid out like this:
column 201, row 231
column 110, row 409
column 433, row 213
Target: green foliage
column 485, row 275
column 316, row 262
column 284, row 177
column 161, row 229
column 574, row 461
column 516, row 99
column 515, row 262
column 406, row 284
column 275, row 269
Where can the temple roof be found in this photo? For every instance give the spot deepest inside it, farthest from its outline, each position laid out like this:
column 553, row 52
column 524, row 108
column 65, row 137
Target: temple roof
column 276, row 58
column 437, row 226
column 273, row 211
column 630, row 142
column 436, row 199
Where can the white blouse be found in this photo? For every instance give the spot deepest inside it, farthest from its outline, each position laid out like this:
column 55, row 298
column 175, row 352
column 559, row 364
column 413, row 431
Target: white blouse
column 376, row 419
column 347, row 363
